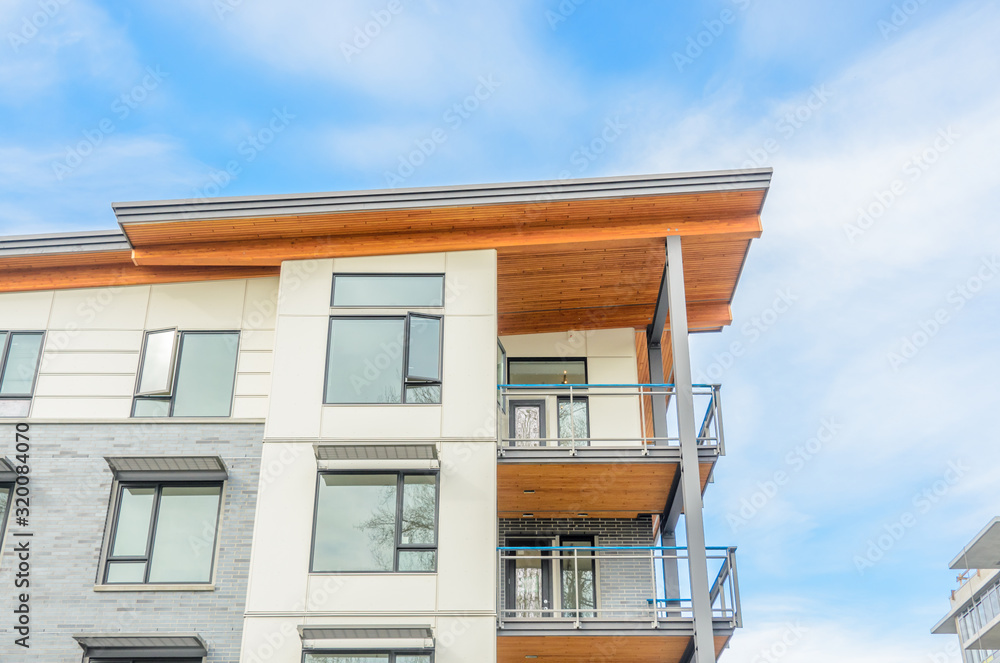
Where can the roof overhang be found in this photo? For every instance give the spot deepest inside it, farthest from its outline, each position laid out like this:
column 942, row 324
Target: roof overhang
column 572, row 254
column 983, row 552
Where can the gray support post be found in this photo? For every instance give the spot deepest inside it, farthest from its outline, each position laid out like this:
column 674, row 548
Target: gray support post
column 671, row 574
column 704, row 640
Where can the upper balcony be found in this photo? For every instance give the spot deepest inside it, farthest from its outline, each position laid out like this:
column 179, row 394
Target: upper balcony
column 590, row 450
column 631, row 603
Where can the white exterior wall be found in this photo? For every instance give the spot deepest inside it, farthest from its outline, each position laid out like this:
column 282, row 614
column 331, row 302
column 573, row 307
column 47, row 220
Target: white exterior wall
column 610, row 355
column 94, row 338
column 459, row 600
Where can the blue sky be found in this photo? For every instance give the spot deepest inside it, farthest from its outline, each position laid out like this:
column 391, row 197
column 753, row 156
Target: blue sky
column 881, row 120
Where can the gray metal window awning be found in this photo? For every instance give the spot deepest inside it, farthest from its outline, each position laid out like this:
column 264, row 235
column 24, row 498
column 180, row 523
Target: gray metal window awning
column 7, row 473
column 140, row 646
column 167, row 468
column 366, row 637
column 376, row 452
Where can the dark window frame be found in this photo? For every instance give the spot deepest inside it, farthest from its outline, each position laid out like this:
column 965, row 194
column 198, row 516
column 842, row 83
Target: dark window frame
column 393, row 653
column 397, row 546
column 175, row 367
column 333, row 289
column 5, row 351
column 586, row 370
column 6, row 512
column 130, row 659
column 576, row 399
column 406, row 381
column 115, row 512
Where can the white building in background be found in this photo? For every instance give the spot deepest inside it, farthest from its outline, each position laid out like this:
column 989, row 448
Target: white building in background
column 445, row 424
column 975, row 606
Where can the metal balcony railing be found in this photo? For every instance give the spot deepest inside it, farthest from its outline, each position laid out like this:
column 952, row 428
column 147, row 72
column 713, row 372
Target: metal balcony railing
column 543, row 416
column 591, row 587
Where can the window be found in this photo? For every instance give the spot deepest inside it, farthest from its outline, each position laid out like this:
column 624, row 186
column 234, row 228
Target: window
column 384, row 359
column 375, row 522
column 548, row 371
column 146, row 660
column 19, row 355
column 367, row 657
column 163, row 533
column 186, row 374
column 388, row 290
column 574, row 419
column 6, row 491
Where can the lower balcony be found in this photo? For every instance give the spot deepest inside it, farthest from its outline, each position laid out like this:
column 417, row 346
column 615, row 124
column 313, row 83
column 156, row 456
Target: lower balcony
column 563, row 604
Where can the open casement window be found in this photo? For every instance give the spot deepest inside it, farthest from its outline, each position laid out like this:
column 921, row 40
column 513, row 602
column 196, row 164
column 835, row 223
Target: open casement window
column 186, row 374
column 20, row 353
column 392, row 359
column 6, row 497
column 375, row 522
column 163, row 533
column 367, row 657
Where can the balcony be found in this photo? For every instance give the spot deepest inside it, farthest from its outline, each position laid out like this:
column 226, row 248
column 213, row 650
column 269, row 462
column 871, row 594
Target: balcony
column 592, row 450
column 634, row 600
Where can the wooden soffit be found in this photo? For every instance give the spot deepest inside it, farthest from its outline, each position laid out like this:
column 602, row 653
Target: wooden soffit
column 600, row 490
column 580, row 648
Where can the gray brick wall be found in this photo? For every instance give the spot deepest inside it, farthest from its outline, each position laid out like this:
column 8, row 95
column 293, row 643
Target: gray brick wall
column 623, row 584
column 71, row 488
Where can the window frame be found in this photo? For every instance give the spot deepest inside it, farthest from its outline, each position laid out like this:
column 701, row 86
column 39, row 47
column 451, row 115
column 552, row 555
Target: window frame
column 560, row 400
column 586, row 370
column 333, row 289
column 406, row 380
column 393, row 653
column 397, row 546
column 9, row 485
column 175, row 364
column 4, row 357
column 112, row 531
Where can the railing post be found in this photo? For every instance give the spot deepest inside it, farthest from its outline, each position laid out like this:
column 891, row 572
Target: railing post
column 701, row 601
column 576, row 577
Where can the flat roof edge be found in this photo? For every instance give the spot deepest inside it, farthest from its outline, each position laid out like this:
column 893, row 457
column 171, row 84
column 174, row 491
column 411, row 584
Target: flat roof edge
column 959, row 562
column 465, row 195
column 70, row 242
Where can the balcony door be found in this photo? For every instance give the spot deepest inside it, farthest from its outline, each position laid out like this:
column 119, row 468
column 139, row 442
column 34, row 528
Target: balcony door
column 529, row 580
column 527, row 422
column 578, row 578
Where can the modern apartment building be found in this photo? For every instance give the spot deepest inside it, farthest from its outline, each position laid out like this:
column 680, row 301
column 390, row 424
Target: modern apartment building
column 975, row 606
column 443, row 424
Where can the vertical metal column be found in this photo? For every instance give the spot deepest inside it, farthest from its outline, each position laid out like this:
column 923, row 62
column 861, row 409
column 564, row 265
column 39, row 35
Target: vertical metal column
column 671, row 575
column 704, row 640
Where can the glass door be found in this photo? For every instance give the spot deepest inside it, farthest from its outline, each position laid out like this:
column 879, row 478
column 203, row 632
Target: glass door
column 529, row 580
column 527, row 423
column 578, row 579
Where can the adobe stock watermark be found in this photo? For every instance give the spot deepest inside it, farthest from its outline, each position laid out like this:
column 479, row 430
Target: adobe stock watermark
column 910, row 345
column 913, row 169
column 788, row 125
column 33, row 23
column 249, row 148
column 923, row 501
column 702, row 40
column 752, row 331
column 789, row 638
column 365, row 34
column 565, row 9
column 453, row 118
column 795, row 461
column 900, row 16
column 122, row 107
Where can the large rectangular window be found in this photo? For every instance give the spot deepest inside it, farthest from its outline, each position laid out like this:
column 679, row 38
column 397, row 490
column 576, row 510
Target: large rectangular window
column 367, row 657
column 547, row 371
column 186, row 374
column 163, row 533
column 388, row 290
column 384, row 360
column 375, row 522
column 19, row 357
